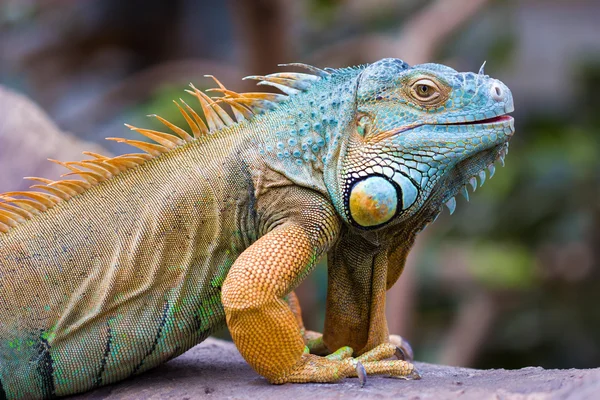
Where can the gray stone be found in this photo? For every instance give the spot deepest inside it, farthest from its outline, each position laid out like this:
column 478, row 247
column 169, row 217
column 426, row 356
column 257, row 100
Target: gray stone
column 215, row 369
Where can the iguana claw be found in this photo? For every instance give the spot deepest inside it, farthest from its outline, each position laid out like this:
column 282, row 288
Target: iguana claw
column 414, row 375
column 408, row 351
column 404, row 348
column 361, row 372
column 400, row 355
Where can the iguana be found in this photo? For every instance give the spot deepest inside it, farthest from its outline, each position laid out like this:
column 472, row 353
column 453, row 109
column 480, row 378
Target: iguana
column 147, row 254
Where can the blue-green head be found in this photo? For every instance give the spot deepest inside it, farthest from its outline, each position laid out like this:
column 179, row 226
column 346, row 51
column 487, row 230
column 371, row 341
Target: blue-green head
column 418, row 136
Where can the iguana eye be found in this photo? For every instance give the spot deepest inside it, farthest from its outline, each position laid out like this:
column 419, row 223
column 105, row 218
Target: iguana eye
column 425, row 90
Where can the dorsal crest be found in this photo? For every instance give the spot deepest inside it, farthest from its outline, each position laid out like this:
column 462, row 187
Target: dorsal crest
column 19, row 206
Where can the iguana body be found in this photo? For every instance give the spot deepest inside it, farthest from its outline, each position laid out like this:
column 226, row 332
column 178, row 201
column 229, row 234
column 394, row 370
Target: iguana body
column 151, row 253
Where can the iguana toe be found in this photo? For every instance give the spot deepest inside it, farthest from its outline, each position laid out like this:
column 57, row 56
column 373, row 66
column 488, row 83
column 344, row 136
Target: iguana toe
column 404, row 347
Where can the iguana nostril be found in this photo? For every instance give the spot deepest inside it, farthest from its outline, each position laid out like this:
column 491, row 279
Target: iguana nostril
column 497, row 92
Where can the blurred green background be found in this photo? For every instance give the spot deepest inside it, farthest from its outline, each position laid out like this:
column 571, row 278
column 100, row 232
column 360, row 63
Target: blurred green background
column 511, row 279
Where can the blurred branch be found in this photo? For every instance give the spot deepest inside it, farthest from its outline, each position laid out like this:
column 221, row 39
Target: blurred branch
column 424, row 34
column 416, row 43
column 27, row 138
column 263, row 28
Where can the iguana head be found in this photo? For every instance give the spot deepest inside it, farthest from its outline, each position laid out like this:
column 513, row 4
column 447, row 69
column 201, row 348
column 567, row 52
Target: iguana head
column 419, row 136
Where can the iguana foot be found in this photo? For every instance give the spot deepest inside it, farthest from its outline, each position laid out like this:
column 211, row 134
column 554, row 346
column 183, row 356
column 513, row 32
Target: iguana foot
column 404, row 346
column 341, row 364
column 314, row 342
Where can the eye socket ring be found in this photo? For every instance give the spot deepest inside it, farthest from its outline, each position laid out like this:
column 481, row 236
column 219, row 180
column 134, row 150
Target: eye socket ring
column 425, row 91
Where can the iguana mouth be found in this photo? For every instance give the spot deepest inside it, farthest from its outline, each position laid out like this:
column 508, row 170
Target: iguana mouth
column 505, row 118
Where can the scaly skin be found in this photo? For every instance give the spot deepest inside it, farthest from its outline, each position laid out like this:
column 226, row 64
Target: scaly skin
column 154, row 253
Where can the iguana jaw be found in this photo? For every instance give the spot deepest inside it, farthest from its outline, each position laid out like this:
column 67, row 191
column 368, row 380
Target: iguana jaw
column 467, row 172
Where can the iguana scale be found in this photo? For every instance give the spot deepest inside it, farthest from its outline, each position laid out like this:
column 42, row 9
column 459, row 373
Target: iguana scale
column 147, row 254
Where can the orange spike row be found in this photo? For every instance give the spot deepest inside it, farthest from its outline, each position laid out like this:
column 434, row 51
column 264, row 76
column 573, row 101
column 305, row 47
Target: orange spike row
column 37, row 179
column 202, row 128
column 92, row 177
column 165, row 139
column 95, row 155
column 225, row 118
column 273, row 97
column 255, row 105
column 109, row 165
column 105, row 165
column 218, row 82
column 226, row 92
column 151, row 148
column 191, row 123
column 220, row 111
column 13, row 215
column 285, row 85
column 296, row 81
column 17, row 210
column 45, row 199
column 100, row 170
column 240, row 111
column 138, row 158
column 122, row 163
column 255, row 101
column 296, row 76
column 64, row 164
column 288, row 86
column 317, row 71
column 31, row 206
column 212, row 119
column 74, row 185
column 5, row 220
column 18, row 206
column 262, row 95
column 10, row 218
column 119, row 163
column 180, row 132
column 57, row 191
column 258, row 101
column 142, row 157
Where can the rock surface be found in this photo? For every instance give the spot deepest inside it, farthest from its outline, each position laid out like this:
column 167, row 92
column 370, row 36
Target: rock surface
column 215, row 369
column 27, row 138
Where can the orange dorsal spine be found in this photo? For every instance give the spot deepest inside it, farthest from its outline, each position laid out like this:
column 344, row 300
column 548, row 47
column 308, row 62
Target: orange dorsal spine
column 18, row 207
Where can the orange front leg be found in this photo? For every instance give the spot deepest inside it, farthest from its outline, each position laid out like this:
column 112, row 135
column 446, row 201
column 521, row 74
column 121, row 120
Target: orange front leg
column 263, row 326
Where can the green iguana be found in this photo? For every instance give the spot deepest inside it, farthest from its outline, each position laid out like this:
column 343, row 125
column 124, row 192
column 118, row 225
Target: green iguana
column 108, row 276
